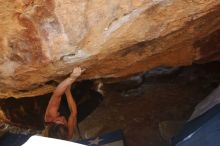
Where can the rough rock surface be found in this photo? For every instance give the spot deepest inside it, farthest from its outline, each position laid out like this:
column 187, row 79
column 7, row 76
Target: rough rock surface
column 42, row 40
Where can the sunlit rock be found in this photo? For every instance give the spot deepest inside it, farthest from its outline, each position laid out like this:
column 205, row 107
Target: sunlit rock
column 42, row 40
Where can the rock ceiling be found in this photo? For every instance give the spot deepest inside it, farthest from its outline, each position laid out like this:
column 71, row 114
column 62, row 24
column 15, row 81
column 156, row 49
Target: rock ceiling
column 42, row 40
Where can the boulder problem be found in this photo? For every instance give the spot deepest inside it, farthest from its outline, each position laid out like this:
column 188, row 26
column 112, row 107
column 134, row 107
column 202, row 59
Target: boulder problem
column 41, row 41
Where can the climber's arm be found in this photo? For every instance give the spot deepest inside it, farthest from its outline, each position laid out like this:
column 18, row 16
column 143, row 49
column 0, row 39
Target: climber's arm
column 54, row 103
column 72, row 105
column 73, row 113
column 71, row 101
column 52, row 109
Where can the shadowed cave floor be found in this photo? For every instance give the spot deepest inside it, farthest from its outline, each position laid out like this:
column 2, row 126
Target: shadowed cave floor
column 138, row 111
column 139, row 104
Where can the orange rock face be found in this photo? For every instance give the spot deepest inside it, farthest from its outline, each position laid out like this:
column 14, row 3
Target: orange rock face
column 42, row 40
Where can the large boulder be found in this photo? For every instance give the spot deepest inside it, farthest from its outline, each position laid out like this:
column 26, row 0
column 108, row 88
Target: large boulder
column 42, row 40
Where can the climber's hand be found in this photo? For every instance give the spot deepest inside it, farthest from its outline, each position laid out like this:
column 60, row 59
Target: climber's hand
column 77, row 71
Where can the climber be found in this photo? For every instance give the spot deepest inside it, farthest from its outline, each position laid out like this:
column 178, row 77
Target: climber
column 56, row 125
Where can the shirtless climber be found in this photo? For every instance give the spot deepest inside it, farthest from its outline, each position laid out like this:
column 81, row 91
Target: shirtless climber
column 56, row 125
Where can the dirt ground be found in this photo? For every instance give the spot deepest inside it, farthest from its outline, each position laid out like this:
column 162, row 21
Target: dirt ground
column 162, row 96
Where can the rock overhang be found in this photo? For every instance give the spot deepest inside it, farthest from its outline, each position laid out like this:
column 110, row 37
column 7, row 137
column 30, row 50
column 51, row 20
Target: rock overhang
column 41, row 41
